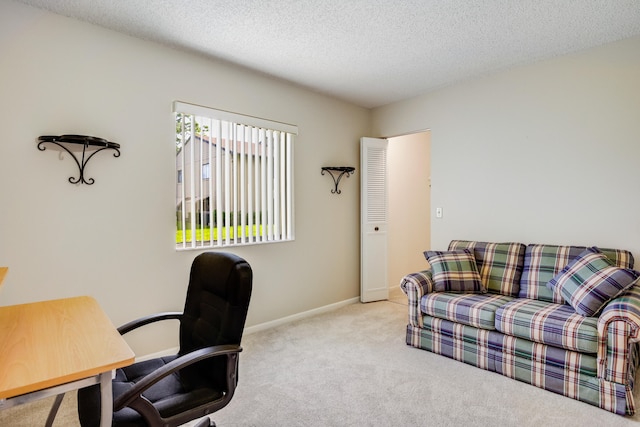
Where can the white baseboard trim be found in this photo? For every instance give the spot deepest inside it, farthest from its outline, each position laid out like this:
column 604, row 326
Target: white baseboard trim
column 284, row 320
column 161, row 353
column 266, row 325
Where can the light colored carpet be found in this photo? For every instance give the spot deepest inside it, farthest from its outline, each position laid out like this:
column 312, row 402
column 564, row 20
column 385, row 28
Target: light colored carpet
column 351, row 367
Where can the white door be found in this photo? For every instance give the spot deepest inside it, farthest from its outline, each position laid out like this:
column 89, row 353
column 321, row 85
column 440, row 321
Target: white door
column 373, row 220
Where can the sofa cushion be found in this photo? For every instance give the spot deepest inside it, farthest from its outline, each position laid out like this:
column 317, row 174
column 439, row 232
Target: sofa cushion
column 548, row 323
column 591, row 280
column 543, row 262
column 468, row 309
column 454, row 271
column 500, row 264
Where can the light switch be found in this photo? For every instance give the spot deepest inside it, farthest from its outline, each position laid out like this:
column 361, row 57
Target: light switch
column 438, row 212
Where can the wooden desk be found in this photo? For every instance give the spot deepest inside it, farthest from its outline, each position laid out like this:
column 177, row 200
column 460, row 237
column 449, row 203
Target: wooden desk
column 51, row 347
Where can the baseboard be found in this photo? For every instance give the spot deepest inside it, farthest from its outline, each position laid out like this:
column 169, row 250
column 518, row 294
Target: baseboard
column 284, row 320
column 266, row 325
column 161, row 353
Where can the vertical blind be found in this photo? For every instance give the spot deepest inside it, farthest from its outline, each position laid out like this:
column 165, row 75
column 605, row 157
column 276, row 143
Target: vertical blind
column 234, row 178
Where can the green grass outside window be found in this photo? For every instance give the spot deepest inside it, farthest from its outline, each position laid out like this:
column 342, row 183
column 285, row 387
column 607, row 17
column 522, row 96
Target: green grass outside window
column 204, row 234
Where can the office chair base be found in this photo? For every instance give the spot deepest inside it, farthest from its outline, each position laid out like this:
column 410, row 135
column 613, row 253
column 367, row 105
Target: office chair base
column 205, row 422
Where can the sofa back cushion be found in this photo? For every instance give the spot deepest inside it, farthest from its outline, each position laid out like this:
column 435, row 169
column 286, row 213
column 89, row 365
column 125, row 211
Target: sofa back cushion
column 543, row 262
column 500, row 264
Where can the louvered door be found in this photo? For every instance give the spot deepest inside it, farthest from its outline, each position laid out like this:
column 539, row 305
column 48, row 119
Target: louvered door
column 373, row 224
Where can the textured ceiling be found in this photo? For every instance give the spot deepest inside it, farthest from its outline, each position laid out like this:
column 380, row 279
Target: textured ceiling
column 369, row 52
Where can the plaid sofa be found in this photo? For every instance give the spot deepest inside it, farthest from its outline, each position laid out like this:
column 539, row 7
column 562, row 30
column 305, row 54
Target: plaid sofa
column 547, row 315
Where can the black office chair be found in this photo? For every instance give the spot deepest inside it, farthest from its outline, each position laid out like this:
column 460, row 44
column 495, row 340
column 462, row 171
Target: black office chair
column 202, row 377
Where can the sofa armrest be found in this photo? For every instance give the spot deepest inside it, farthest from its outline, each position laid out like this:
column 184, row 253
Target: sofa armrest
column 415, row 285
column 618, row 335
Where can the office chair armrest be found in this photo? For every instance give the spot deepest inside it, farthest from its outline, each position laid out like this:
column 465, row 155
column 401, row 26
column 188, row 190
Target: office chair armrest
column 134, row 324
column 171, row 367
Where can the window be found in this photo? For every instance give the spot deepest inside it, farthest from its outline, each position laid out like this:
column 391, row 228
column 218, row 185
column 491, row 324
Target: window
column 234, row 182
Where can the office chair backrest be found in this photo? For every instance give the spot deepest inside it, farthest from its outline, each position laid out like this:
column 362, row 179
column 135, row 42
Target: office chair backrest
column 216, row 304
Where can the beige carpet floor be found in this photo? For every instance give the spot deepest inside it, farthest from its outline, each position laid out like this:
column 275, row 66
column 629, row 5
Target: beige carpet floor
column 351, row 367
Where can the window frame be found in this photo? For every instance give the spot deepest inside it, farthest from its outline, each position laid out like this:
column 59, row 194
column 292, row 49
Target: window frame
column 255, row 209
column 206, row 171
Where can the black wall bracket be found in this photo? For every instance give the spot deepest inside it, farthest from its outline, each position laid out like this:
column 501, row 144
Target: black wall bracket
column 340, row 171
column 91, row 145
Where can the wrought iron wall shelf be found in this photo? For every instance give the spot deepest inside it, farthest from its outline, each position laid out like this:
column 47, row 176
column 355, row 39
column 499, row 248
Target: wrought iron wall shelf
column 91, row 145
column 340, row 171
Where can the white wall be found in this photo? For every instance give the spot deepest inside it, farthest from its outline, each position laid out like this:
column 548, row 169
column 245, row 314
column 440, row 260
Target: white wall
column 409, row 210
column 542, row 153
column 114, row 240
